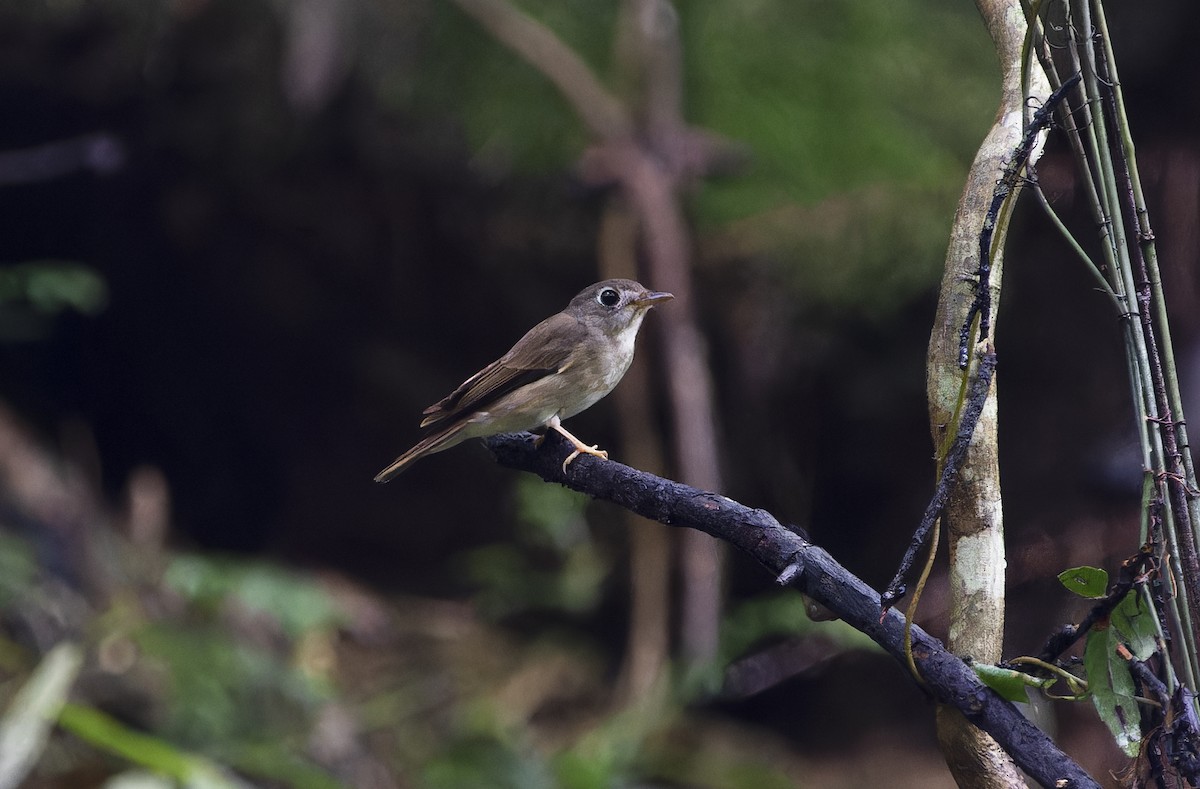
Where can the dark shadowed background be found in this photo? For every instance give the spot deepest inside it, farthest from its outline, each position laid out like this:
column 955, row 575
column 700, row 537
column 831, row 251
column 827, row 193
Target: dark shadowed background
column 273, row 232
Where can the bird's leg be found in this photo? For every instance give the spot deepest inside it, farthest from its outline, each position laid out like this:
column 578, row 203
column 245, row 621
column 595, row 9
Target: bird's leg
column 580, row 447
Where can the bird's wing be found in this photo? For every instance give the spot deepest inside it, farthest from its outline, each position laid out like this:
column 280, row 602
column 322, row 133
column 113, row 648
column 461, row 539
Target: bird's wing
column 532, row 358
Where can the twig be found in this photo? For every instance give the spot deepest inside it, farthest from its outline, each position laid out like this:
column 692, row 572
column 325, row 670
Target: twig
column 976, row 398
column 1131, row 572
column 1184, row 735
column 599, row 109
column 981, row 307
column 1009, row 180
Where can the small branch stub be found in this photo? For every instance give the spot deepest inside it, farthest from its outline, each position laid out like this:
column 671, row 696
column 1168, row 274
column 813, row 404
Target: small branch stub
column 789, row 574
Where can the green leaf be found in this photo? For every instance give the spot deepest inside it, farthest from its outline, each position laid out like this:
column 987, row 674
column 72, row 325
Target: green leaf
column 18, row 568
column 139, row 779
column 297, row 602
column 51, row 286
column 107, row 733
column 26, row 724
column 485, row 761
column 1009, row 683
column 1111, row 686
column 1091, row 582
column 1135, row 620
column 551, row 516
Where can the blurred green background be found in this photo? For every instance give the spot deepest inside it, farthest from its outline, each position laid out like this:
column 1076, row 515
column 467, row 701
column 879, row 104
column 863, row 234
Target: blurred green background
column 246, row 242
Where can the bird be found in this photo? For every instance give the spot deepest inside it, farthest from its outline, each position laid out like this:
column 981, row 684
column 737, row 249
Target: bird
column 561, row 367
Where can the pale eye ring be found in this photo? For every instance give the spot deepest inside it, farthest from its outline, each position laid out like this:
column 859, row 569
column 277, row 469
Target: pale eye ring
column 609, row 297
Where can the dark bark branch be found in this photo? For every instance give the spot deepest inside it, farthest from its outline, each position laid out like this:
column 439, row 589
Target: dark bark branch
column 810, row 569
column 1010, row 179
column 604, row 114
column 976, row 398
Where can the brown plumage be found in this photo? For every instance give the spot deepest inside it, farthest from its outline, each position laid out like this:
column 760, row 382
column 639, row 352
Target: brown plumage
column 559, row 368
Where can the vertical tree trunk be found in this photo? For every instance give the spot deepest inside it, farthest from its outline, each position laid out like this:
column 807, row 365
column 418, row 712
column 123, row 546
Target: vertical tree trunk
column 974, row 515
column 645, row 148
column 648, row 646
column 653, row 30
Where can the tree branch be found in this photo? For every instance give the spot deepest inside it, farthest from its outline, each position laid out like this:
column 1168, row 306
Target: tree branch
column 812, row 570
column 599, row 109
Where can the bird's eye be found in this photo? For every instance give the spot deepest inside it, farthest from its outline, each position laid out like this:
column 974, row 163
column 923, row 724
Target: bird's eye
column 609, row 297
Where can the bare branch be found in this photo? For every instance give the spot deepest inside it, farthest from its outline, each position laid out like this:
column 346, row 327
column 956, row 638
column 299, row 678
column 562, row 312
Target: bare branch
column 603, row 113
column 813, row 571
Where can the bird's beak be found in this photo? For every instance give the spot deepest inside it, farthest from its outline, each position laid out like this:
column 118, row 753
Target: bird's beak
column 652, row 297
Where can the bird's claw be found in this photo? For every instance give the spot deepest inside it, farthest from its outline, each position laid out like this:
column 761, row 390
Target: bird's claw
column 594, row 450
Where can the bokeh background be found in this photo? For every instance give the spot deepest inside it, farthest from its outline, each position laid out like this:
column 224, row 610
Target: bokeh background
column 246, row 242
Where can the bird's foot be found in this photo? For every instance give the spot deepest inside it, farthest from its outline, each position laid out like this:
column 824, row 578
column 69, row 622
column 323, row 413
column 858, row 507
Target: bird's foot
column 583, row 449
column 580, row 447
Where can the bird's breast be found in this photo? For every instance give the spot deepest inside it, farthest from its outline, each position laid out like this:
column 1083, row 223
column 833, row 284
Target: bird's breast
column 596, row 374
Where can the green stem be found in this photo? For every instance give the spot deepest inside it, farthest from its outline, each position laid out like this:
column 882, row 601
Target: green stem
column 1170, row 433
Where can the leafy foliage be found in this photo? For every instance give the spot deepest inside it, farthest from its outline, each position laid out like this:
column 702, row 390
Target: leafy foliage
column 1089, row 582
column 1135, row 621
column 1133, row 626
column 1111, row 688
column 158, row 755
column 25, row 727
column 33, row 293
column 554, row 562
column 1010, row 684
column 860, row 122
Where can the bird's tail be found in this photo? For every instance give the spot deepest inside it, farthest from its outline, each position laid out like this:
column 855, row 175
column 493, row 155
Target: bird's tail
column 434, row 442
